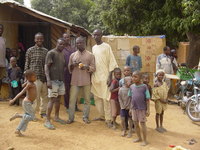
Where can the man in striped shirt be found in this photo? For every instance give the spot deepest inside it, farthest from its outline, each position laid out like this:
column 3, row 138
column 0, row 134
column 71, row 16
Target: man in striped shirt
column 35, row 60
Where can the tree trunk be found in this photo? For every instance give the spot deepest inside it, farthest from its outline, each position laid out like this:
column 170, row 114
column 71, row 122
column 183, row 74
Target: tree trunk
column 194, row 50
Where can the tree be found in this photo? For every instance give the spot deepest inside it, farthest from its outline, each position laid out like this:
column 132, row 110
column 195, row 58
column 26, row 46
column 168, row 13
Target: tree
column 20, row 1
column 179, row 20
column 68, row 10
column 96, row 13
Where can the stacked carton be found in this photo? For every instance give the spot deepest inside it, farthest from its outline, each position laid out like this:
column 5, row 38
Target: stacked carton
column 150, row 48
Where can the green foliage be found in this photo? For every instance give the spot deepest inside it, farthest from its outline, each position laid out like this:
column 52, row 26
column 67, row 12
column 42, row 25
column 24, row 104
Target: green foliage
column 68, row 10
column 173, row 18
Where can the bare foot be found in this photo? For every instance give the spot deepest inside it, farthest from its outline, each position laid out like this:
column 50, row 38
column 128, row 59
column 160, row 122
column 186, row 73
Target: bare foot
column 144, row 143
column 159, row 130
column 137, row 140
column 123, row 133
column 18, row 133
column 16, row 115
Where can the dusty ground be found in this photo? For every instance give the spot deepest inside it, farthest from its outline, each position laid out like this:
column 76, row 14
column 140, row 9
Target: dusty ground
column 95, row 136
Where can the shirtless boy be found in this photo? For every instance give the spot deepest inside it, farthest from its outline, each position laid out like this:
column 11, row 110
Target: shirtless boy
column 31, row 94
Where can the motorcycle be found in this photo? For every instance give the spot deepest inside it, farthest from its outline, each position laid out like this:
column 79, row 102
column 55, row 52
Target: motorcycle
column 184, row 86
column 193, row 102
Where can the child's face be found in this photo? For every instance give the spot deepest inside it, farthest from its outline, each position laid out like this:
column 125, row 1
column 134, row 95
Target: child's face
column 136, row 78
column 128, row 82
column 39, row 39
column 160, row 76
column 32, row 78
column 13, row 62
column 118, row 75
column 127, row 71
column 146, row 79
column 136, row 51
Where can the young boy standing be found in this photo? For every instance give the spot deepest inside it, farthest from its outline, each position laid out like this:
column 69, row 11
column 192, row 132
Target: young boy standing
column 125, row 102
column 160, row 94
column 140, row 106
column 127, row 73
column 114, row 102
column 31, row 94
column 54, row 70
column 14, row 74
column 134, row 61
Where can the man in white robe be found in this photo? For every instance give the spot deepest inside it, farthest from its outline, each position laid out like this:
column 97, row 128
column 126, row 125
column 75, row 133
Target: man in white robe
column 105, row 63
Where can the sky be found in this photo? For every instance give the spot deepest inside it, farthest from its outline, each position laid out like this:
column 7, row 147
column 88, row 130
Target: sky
column 27, row 3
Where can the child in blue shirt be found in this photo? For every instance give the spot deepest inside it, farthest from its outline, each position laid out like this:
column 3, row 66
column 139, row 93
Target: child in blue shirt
column 134, row 61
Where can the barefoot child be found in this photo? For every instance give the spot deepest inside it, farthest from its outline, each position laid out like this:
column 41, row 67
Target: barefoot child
column 114, row 102
column 146, row 80
column 31, row 95
column 127, row 73
column 125, row 102
column 160, row 94
column 140, row 106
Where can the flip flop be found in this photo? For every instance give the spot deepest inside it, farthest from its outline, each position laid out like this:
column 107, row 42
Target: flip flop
column 48, row 125
column 60, row 121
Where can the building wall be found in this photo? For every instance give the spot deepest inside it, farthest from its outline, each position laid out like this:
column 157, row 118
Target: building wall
column 10, row 30
column 150, row 48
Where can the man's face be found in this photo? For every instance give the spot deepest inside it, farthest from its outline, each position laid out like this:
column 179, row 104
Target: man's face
column 97, row 36
column 167, row 51
column 1, row 30
column 60, row 45
column 67, row 38
column 80, row 44
column 39, row 39
column 14, row 52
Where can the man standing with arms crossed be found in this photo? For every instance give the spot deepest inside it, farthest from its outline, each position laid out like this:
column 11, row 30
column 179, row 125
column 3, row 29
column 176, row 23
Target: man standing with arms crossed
column 35, row 61
column 105, row 63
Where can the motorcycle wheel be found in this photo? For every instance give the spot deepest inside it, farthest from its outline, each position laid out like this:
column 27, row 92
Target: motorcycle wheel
column 193, row 110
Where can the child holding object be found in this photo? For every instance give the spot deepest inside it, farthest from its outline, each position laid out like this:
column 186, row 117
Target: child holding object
column 160, row 94
column 140, row 106
column 31, row 94
column 114, row 102
column 14, row 74
column 125, row 102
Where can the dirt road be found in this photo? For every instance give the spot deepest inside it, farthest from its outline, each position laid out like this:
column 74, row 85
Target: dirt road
column 95, row 136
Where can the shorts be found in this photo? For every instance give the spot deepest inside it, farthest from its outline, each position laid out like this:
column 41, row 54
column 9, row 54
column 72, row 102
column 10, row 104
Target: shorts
column 115, row 107
column 3, row 72
column 58, row 88
column 160, row 107
column 139, row 115
column 124, row 113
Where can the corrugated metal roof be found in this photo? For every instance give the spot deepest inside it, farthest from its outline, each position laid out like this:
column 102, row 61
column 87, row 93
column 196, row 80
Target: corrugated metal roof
column 21, row 7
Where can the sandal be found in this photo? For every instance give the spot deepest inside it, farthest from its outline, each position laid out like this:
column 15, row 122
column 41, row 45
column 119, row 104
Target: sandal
column 60, row 121
column 48, row 125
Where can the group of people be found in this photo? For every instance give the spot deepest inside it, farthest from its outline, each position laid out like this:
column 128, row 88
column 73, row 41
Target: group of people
column 65, row 70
